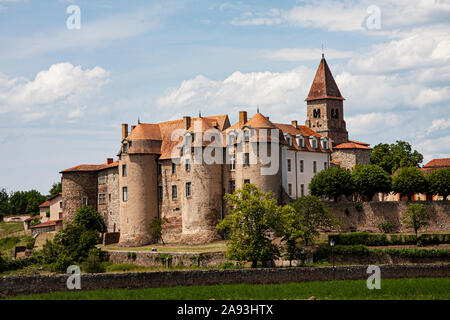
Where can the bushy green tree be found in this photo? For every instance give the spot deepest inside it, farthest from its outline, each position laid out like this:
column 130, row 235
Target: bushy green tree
column 439, row 182
column 416, row 217
column 4, row 202
column 253, row 218
column 290, row 229
column 89, row 218
column 370, row 179
column 394, row 156
column 55, row 189
column 408, row 181
column 332, row 182
column 155, row 228
column 22, row 202
column 313, row 215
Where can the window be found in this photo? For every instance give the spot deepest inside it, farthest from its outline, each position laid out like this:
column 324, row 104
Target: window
column 102, row 198
column 302, row 189
column 125, row 147
column 301, row 165
column 246, row 135
column 289, row 165
column 290, row 189
column 124, row 170
column 231, row 139
column 324, row 144
column 174, row 193
column 233, row 162
column 246, row 181
column 60, row 204
column 174, row 168
column 60, row 215
column 288, row 138
column 313, row 142
column 187, row 165
column 188, row 189
column 232, row 186
column 102, row 179
column 314, row 166
column 159, row 169
column 84, row 201
column 124, row 194
column 316, row 113
column 160, row 193
column 110, row 213
column 188, row 140
column 324, row 165
column 300, row 142
column 246, row 159
column 109, row 197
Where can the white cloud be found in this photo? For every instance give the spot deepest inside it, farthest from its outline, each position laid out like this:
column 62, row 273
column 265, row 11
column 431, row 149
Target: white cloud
column 52, row 91
column 373, row 122
column 303, row 54
column 438, row 124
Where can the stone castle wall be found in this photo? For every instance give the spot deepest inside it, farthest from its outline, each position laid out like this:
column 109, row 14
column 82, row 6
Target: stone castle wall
column 110, row 208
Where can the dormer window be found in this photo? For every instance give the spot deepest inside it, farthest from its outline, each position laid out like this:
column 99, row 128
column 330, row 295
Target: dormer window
column 125, row 147
column 246, row 135
column 188, row 139
column 324, row 144
column 231, row 138
column 288, row 138
column 300, row 141
column 313, row 142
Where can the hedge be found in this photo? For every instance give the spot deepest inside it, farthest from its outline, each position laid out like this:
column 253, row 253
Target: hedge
column 324, row 252
column 372, row 239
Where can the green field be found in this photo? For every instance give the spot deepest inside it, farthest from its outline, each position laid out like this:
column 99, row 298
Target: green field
column 409, row 289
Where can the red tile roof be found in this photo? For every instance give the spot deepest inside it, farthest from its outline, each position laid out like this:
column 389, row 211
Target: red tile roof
column 324, row 86
column 48, row 223
column 351, row 145
column 45, row 204
column 359, row 142
column 91, row 167
column 438, row 163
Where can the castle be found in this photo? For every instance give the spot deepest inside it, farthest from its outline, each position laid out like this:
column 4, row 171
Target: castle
column 180, row 170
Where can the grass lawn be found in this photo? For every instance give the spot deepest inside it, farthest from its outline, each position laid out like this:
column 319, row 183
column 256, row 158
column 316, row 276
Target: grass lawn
column 8, row 229
column 410, row 289
column 171, row 247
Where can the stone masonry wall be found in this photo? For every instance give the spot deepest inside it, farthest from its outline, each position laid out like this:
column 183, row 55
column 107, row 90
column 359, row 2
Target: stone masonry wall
column 16, row 285
column 376, row 212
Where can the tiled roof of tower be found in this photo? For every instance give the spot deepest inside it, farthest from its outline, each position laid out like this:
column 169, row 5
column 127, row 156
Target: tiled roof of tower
column 91, row 167
column 258, row 121
column 324, row 86
column 435, row 163
column 351, row 145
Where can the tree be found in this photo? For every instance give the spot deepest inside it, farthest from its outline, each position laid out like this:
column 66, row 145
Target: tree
column 22, row 202
column 394, row 156
column 55, row 189
column 370, row 179
column 253, row 218
column 409, row 181
column 4, row 202
column 332, row 182
column 34, row 200
column 416, row 216
column 291, row 229
column 439, row 182
column 155, row 228
column 313, row 215
column 90, row 218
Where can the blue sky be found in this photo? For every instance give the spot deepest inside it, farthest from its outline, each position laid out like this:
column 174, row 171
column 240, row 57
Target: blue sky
column 64, row 93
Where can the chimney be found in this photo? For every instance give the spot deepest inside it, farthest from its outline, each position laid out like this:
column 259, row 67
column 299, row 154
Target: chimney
column 132, row 128
column 187, row 122
column 109, row 160
column 124, row 131
column 242, row 118
column 294, row 123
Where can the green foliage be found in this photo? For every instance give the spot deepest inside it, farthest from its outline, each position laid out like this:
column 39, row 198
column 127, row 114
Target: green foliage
column 89, row 218
column 291, row 229
column 8, row 243
column 332, row 182
column 35, row 221
column 93, row 262
column 166, row 259
column 408, row 181
column 47, row 213
column 253, row 217
column 61, row 264
column 359, row 238
column 155, row 228
column 55, row 189
column 371, row 179
column 311, row 215
column 439, row 182
column 4, row 202
column 416, row 216
column 394, row 156
column 387, row 227
column 131, row 255
column 22, row 202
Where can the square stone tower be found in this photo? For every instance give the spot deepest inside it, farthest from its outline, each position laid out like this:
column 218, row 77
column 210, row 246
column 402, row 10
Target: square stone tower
column 325, row 107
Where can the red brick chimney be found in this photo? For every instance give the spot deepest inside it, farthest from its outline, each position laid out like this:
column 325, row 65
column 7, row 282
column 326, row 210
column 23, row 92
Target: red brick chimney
column 187, row 122
column 294, row 123
column 242, row 118
column 124, row 131
column 109, row 160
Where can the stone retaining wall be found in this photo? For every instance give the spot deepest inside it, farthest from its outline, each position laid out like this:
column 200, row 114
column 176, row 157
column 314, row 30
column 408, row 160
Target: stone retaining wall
column 15, row 285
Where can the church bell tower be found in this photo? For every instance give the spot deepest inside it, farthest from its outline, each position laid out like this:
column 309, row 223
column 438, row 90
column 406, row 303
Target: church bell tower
column 325, row 106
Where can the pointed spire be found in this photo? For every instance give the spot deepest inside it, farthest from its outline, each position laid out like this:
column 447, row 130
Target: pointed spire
column 199, row 114
column 324, row 86
column 139, row 120
column 257, row 109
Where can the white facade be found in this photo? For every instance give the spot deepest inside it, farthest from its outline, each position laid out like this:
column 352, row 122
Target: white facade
column 298, row 168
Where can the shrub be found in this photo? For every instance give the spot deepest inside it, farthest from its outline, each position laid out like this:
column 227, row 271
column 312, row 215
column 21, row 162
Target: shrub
column 93, row 262
column 47, row 213
column 131, row 255
column 416, row 216
column 360, row 238
column 155, row 228
column 89, row 218
column 387, row 227
column 62, row 263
